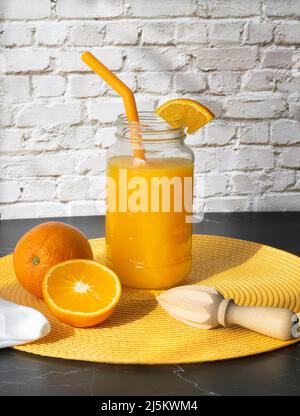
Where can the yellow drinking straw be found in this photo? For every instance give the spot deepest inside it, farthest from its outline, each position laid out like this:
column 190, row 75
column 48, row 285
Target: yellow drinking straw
column 122, row 89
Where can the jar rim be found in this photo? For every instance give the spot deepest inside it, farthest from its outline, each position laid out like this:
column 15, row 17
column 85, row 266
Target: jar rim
column 149, row 125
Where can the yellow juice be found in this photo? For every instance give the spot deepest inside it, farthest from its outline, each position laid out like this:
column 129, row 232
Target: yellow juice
column 149, row 248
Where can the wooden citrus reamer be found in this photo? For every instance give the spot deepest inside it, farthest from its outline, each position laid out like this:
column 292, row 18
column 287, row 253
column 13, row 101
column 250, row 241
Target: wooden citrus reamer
column 204, row 308
column 125, row 92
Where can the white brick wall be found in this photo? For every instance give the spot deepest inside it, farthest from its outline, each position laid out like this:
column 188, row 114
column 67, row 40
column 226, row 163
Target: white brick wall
column 240, row 58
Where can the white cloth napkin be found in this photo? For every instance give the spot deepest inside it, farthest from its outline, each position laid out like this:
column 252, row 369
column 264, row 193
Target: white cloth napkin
column 20, row 324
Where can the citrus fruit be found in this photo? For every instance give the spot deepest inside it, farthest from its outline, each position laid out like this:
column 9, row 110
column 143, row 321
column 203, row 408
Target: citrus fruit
column 44, row 246
column 183, row 112
column 81, row 293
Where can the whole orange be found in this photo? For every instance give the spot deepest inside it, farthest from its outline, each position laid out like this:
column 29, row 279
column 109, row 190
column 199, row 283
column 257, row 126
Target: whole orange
column 43, row 247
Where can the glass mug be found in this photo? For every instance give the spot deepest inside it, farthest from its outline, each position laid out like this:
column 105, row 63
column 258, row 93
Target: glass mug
column 149, row 204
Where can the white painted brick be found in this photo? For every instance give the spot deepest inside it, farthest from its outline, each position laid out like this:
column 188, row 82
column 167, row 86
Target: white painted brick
column 245, row 159
column 219, row 134
column 155, row 59
column 26, row 60
column 290, row 158
column 87, row 35
column 220, row 34
column 49, row 85
column 229, row 204
column 93, row 165
column 2, row 63
column 12, row 140
column 16, row 9
column 233, row 8
column 254, row 134
column 78, row 9
column 155, row 82
column 86, row 208
column 282, row 8
column 198, row 207
column 224, row 82
column 105, row 137
column 16, row 35
column 5, row 116
column 70, row 189
column 39, row 165
column 15, row 89
column 97, row 189
column 215, row 185
column 150, row 8
column 201, row 10
column 107, row 111
column 33, row 210
column 285, row 202
column 39, row 190
column 198, row 188
column 46, row 115
column 51, row 34
column 253, row 78
column 244, row 184
column 259, row 80
column 190, row 81
column 277, row 58
column 294, row 108
column 125, row 34
column 196, row 139
column 296, row 62
column 283, row 180
column 288, row 33
column 258, row 33
column 227, row 58
column 255, row 108
column 81, row 137
column 192, row 33
column 289, row 84
column 284, row 132
column 205, row 160
column 9, row 191
column 46, row 138
column 158, row 33
column 86, row 86
column 297, row 185
column 61, row 138
column 70, row 60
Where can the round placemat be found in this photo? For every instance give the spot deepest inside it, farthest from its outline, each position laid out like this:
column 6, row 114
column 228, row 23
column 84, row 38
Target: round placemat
column 141, row 332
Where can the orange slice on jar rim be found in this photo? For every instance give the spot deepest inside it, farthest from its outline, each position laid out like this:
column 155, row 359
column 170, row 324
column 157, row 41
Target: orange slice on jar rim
column 183, row 112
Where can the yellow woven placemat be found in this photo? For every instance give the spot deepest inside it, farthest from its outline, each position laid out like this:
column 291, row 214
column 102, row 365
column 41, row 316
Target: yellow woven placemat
column 140, row 332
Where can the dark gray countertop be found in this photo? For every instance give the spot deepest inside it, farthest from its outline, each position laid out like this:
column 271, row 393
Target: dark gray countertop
column 275, row 373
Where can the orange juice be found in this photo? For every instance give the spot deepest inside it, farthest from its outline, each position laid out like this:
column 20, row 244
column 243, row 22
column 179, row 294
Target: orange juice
column 149, row 245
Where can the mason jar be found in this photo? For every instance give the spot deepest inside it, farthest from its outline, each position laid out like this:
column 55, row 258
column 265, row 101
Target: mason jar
column 149, row 203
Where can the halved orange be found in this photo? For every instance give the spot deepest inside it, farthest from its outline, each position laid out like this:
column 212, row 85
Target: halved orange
column 81, row 292
column 183, row 112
